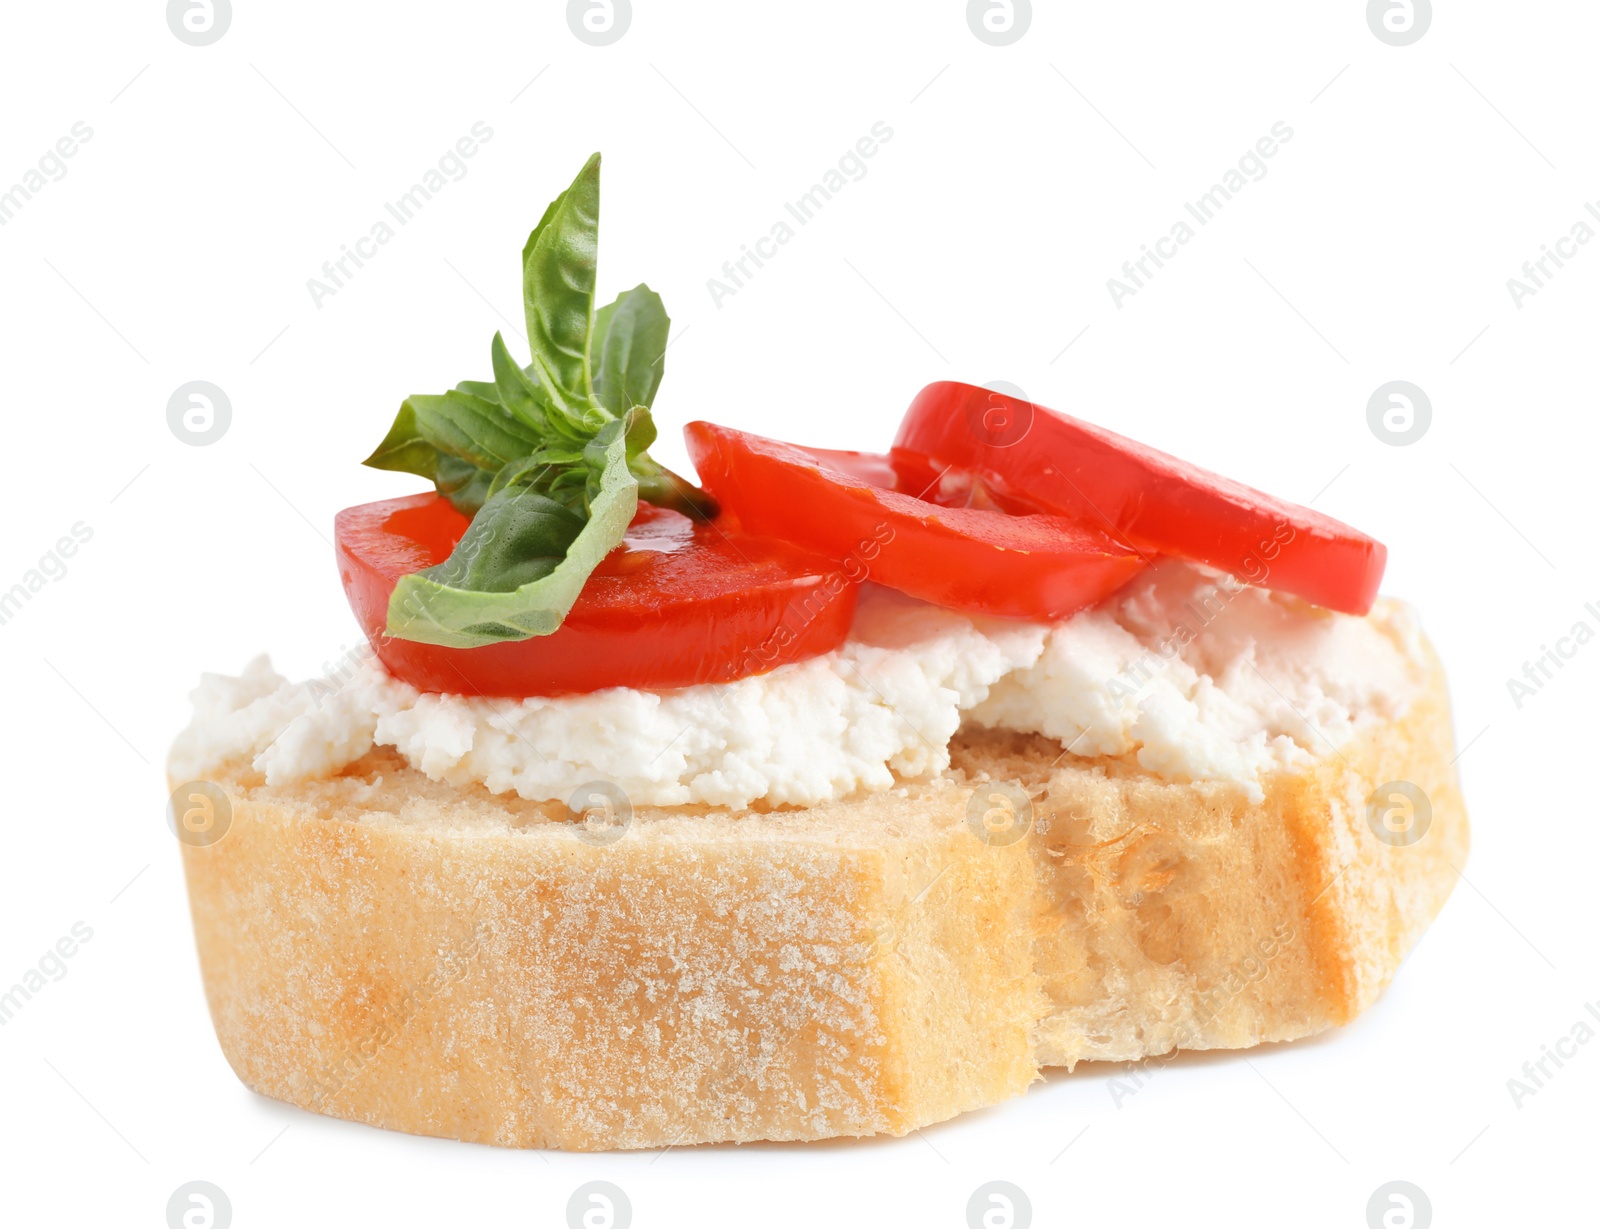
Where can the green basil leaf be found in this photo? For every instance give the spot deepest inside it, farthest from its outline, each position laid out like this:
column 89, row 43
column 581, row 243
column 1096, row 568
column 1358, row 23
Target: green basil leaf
column 472, row 427
column 428, row 608
column 597, row 334
column 558, row 294
column 521, row 396
column 641, row 431
column 544, row 221
column 631, row 350
column 462, row 483
column 538, row 471
column 519, row 537
column 404, row 449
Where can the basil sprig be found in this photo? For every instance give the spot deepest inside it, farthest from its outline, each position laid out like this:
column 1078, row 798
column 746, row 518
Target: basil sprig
column 549, row 460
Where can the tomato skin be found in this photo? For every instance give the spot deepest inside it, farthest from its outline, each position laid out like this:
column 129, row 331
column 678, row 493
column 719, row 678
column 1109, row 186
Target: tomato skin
column 1042, row 460
column 1028, row 567
column 678, row 603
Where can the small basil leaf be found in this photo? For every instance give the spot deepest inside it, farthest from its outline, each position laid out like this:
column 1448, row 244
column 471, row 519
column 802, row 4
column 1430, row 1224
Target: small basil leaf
column 597, row 449
column 423, row 608
column 518, row 537
column 483, row 390
column 537, row 471
column 631, row 352
column 472, row 427
column 462, row 483
column 641, row 431
column 521, row 396
column 404, row 449
column 558, row 293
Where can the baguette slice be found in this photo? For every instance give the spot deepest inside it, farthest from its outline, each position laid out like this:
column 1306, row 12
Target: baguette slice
column 383, row 948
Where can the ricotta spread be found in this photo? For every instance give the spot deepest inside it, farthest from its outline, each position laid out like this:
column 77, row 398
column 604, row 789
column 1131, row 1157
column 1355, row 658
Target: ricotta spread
column 1191, row 674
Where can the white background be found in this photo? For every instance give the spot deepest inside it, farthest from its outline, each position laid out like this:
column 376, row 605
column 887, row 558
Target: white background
column 1018, row 179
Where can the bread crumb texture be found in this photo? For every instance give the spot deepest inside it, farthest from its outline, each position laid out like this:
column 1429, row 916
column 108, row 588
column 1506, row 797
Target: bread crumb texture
column 437, row 959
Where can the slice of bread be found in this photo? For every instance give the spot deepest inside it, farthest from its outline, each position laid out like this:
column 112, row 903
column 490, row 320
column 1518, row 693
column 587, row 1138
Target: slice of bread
column 381, row 947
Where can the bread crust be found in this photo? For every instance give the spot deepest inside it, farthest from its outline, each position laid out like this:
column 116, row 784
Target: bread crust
column 446, row 962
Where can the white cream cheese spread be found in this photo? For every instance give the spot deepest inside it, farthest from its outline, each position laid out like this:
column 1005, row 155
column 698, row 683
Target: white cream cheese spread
column 1191, row 674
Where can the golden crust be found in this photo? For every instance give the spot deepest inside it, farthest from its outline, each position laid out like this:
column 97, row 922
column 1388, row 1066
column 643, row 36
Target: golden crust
column 383, row 948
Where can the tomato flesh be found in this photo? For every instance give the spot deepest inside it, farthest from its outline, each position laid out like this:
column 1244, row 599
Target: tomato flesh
column 1041, row 460
column 839, row 504
column 678, row 603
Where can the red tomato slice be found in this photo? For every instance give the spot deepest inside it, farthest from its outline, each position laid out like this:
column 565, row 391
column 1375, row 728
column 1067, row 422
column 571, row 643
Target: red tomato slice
column 1030, row 567
column 677, row 603
column 1045, row 461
